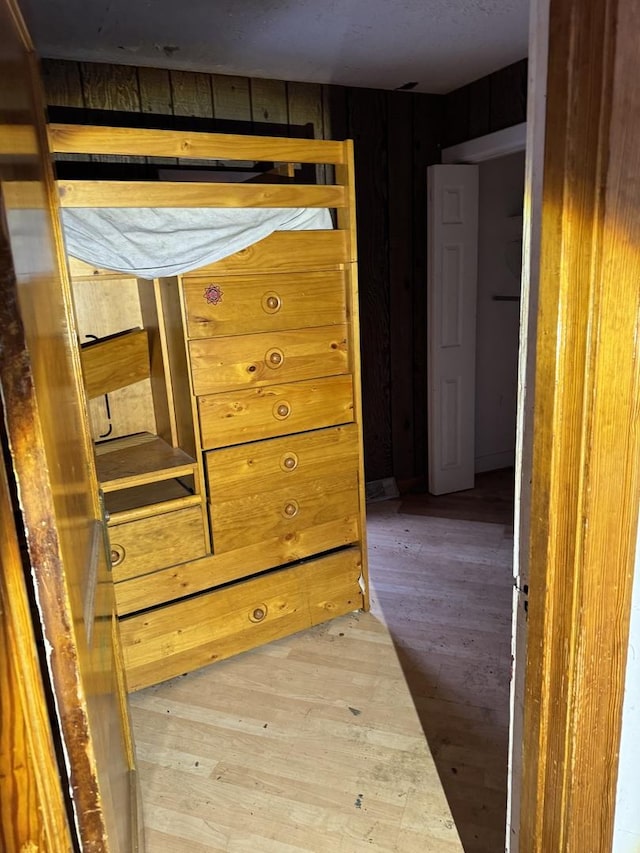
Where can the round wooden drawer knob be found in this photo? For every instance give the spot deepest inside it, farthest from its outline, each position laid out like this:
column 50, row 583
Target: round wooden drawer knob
column 117, row 555
column 259, row 613
column 289, row 461
column 271, row 303
column 275, row 358
column 282, row 410
column 290, row 509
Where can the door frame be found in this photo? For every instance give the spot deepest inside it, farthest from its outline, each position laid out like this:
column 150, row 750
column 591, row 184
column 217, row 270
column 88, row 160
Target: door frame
column 580, row 457
column 586, row 432
column 510, row 140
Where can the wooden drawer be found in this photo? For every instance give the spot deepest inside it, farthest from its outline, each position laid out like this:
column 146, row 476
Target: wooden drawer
column 284, row 251
column 240, row 416
column 180, row 637
column 242, row 304
column 277, row 492
column 262, row 466
column 226, row 364
column 147, row 544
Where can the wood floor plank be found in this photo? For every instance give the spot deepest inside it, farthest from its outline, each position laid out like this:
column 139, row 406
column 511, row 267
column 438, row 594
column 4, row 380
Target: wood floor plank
column 377, row 731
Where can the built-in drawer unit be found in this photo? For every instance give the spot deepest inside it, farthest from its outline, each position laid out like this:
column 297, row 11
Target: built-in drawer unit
column 160, row 540
column 169, row 640
column 242, row 304
column 281, row 493
column 237, row 416
column 245, row 361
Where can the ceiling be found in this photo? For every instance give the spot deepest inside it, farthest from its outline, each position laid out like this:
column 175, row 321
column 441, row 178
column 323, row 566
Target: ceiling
column 384, row 44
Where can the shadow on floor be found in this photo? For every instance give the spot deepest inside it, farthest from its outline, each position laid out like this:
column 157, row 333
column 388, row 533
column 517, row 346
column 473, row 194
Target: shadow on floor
column 447, row 602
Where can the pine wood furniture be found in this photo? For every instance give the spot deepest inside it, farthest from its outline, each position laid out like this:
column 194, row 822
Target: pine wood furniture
column 229, row 446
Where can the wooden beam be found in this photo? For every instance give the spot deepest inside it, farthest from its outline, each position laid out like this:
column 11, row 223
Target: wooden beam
column 18, row 139
column 586, row 455
column 188, row 194
column 79, row 139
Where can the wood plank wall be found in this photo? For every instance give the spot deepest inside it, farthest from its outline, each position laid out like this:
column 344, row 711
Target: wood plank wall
column 396, row 136
column 492, row 103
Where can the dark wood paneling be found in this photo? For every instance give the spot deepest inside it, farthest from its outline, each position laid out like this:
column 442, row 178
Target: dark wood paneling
column 479, row 121
column 508, row 96
column 338, row 108
column 368, row 121
column 393, row 144
column 456, row 115
column 427, row 126
column 62, row 83
column 492, row 103
column 401, row 284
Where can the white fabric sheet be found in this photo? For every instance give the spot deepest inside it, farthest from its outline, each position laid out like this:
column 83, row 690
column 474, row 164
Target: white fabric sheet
column 156, row 242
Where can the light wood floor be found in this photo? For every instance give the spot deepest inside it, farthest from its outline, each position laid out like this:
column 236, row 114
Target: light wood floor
column 346, row 737
column 444, row 587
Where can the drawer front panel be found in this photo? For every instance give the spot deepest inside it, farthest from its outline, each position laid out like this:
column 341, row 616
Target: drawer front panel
column 261, row 467
column 241, row 416
column 180, row 637
column 281, row 520
column 277, row 492
column 244, row 361
column 147, row 544
column 261, row 303
column 284, row 251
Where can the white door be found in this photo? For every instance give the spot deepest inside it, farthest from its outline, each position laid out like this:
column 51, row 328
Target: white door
column 451, row 326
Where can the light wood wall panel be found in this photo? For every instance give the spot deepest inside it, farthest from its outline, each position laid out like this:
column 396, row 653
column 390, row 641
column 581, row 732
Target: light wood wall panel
column 63, row 84
column 106, row 89
column 156, row 97
column 231, row 97
column 269, row 101
column 305, row 107
column 191, row 94
column 155, row 91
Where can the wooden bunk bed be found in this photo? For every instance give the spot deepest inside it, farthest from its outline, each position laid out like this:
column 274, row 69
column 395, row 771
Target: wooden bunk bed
column 225, row 406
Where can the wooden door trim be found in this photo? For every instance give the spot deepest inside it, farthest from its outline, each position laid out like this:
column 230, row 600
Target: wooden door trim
column 52, row 508
column 34, row 806
column 586, row 454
